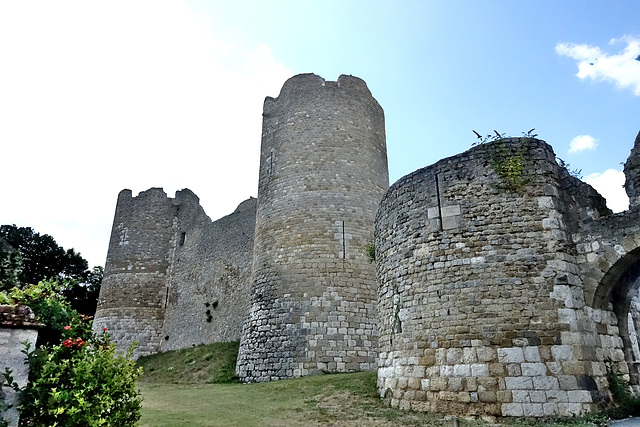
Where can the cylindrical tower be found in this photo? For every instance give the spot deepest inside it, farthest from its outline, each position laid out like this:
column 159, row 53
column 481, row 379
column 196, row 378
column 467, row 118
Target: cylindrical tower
column 323, row 171
column 133, row 295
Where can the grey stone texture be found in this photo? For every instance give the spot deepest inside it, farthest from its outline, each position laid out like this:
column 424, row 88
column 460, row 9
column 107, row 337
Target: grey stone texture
column 17, row 327
column 173, row 278
column 500, row 301
column 505, row 286
column 323, row 171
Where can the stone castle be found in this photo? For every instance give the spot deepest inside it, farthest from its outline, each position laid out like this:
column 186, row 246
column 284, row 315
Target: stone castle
column 502, row 285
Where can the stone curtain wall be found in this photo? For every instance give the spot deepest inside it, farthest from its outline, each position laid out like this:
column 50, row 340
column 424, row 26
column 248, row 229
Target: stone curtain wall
column 174, row 278
column 210, row 275
column 17, row 327
column 323, row 170
column 481, row 304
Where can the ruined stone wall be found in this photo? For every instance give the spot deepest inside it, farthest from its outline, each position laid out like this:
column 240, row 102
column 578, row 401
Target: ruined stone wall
column 173, row 278
column 481, row 303
column 210, row 275
column 323, row 170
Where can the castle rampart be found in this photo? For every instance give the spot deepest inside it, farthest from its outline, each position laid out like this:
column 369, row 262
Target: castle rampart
column 136, row 277
column 323, row 170
column 506, row 287
column 174, row 278
column 494, row 297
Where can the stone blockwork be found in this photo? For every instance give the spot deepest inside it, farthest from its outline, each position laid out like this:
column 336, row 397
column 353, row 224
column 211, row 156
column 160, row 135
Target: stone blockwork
column 174, row 278
column 502, row 302
column 505, row 285
column 210, row 275
column 17, row 327
column 323, row 171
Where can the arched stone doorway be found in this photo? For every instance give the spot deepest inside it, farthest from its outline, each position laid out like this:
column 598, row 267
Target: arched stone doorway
column 618, row 292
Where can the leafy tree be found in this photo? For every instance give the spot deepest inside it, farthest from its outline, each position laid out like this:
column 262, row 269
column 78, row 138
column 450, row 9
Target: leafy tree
column 42, row 257
column 10, row 266
column 84, row 296
column 38, row 257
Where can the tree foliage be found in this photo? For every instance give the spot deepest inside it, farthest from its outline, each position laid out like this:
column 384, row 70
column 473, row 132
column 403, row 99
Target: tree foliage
column 27, row 258
column 10, row 266
column 42, row 257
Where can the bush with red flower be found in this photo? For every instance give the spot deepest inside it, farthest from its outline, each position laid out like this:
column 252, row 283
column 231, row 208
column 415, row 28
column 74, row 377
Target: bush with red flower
column 81, row 380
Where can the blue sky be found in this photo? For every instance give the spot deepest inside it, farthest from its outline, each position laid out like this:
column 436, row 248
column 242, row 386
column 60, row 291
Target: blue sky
column 97, row 97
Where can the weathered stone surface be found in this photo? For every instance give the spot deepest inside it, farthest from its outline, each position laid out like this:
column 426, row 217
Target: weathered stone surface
column 17, row 327
column 323, row 171
column 173, row 278
column 505, row 285
column 537, row 279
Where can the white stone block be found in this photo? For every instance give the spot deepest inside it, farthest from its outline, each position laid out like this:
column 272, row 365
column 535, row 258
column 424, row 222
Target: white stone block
column 446, row 371
column 561, row 353
column 480, row 370
column 512, row 410
column 546, row 202
column 567, row 382
column 545, row 383
column 569, row 409
column 511, row 355
column 533, row 369
column 537, row 396
column 520, row 396
column 451, row 210
column 557, row 396
column 532, row 409
column 550, row 409
column 461, row 370
column 518, row 383
column 579, row 396
column 531, row 354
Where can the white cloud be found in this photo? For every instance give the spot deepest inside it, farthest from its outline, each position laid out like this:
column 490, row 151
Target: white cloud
column 610, row 185
column 622, row 68
column 581, row 143
column 97, row 97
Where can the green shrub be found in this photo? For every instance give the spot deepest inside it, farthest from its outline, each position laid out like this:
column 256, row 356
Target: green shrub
column 81, row 383
column 75, row 376
column 627, row 404
column 49, row 305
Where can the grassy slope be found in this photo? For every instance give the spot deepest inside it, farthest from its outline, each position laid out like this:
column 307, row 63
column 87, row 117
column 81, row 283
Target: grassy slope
column 178, row 391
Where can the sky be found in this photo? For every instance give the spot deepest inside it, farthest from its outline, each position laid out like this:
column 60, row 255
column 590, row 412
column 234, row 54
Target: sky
column 96, row 97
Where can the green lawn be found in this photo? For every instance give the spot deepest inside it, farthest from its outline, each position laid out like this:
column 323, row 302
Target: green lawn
column 182, row 388
column 327, row 400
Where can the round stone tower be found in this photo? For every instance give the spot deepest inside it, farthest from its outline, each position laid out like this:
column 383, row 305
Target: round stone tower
column 323, row 171
column 632, row 174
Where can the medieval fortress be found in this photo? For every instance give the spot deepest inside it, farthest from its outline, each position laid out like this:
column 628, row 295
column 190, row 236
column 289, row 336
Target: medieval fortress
column 502, row 285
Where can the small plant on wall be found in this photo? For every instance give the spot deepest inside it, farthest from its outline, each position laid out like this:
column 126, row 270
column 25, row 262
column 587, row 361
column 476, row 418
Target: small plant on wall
column 370, row 251
column 510, row 166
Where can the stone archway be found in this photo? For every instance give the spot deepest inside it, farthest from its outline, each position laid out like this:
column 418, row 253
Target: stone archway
column 616, row 291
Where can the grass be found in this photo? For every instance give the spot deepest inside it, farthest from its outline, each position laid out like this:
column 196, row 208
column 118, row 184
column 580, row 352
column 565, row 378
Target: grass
column 179, row 389
column 204, row 364
column 326, row 400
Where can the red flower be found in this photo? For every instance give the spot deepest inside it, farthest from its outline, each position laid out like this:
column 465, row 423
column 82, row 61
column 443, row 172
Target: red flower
column 67, row 327
column 67, row 343
column 104, row 329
